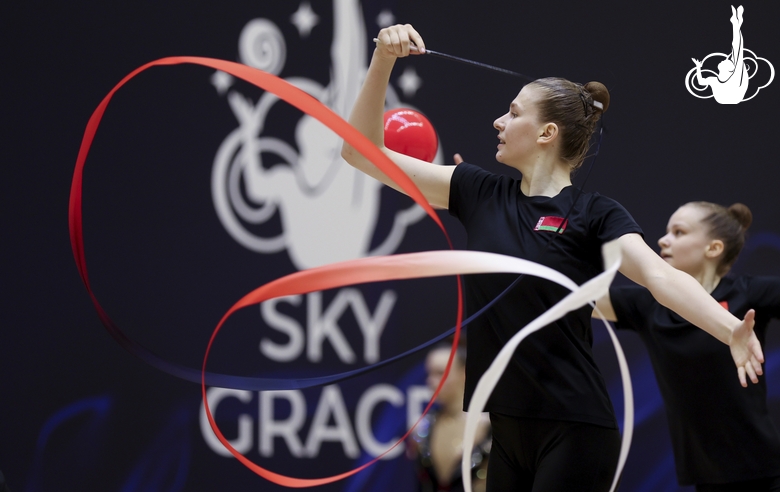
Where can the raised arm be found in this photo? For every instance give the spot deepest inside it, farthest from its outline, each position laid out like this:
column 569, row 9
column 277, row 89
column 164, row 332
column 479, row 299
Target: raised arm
column 682, row 294
column 737, row 43
column 367, row 117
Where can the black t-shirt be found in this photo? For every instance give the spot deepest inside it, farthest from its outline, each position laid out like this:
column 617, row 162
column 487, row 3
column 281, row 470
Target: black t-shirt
column 721, row 432
column 552, row 374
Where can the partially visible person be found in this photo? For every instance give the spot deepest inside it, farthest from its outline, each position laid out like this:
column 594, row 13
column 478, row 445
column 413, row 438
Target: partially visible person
column 723, row 437
column 436, row 445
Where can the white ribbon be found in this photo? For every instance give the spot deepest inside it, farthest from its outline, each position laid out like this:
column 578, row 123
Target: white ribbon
column 591, row 290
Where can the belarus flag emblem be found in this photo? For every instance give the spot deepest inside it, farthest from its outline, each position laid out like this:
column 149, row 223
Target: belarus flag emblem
column 553, row 224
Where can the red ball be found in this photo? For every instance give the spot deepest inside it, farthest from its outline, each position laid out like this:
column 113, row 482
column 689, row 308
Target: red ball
column 409, row 132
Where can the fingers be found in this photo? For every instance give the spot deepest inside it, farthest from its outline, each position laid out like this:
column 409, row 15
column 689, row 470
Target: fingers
column 415, row 37
column 746, row 350
column 458, row 159
column 756, row 365
column 751, row 373
column 756, row 353
column 399, row 40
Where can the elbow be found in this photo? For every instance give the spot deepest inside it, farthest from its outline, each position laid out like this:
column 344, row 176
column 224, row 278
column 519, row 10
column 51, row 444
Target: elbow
column 658, row 276
column 351, row 155
column 355, row 159
column 667, row 287
column 347, row 152
column 655, row 283
column 654, row 276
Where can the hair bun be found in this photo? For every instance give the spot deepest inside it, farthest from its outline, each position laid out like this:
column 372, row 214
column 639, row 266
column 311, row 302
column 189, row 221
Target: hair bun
column 599, row 93
column 742, row 214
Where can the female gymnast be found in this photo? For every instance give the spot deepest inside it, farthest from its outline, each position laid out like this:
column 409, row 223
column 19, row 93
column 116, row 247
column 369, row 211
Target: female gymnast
column 436, row 444
column 553, row 424
column 722, row 435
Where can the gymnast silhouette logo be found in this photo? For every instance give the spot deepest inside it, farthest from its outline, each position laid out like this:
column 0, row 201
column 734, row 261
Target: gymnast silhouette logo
column 326, row 210
column 730, row 84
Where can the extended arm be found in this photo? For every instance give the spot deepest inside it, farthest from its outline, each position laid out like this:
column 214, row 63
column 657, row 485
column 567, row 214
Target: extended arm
column 367, row 117
column 701, row 80
column 682, row 294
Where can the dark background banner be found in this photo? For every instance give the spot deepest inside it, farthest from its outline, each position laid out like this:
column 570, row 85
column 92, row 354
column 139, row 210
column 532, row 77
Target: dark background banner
column 200, row 188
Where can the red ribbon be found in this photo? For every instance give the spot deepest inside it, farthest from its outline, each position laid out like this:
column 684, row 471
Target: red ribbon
column 330, row 276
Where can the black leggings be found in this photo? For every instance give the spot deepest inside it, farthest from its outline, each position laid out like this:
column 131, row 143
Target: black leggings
column 770, row 484
column 550, row 456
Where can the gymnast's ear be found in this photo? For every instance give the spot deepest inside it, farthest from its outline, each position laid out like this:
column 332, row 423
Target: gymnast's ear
column 714, row 249
column 547, row 133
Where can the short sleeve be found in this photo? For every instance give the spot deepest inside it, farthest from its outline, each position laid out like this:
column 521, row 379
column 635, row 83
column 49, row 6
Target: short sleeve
column 632, row 305
column 765, row 296
column 608, row 219
column 469, row 185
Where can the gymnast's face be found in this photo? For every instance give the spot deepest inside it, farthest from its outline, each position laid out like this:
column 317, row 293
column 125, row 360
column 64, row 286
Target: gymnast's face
column 435, row 364
column 686, row 243
column 519, row 128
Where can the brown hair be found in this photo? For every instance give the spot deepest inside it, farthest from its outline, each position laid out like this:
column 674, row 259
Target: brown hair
column 570, row 106
column 460, row 352
column 730, row 226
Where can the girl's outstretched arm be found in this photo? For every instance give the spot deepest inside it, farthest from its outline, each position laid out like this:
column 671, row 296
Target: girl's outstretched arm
column 682, row 294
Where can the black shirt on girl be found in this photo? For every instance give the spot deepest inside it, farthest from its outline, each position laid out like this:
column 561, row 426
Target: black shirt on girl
column 721, row 432
column 552, row 374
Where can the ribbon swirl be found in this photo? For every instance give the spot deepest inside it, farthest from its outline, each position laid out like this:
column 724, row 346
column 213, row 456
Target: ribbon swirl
column 406, row 266
column 309, row 105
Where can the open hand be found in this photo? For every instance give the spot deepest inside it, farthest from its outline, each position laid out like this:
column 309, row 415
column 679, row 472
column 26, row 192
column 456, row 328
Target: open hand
column 746, row 350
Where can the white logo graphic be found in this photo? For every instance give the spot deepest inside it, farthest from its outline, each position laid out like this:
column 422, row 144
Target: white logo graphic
column 327, row 210
column 730, row 84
